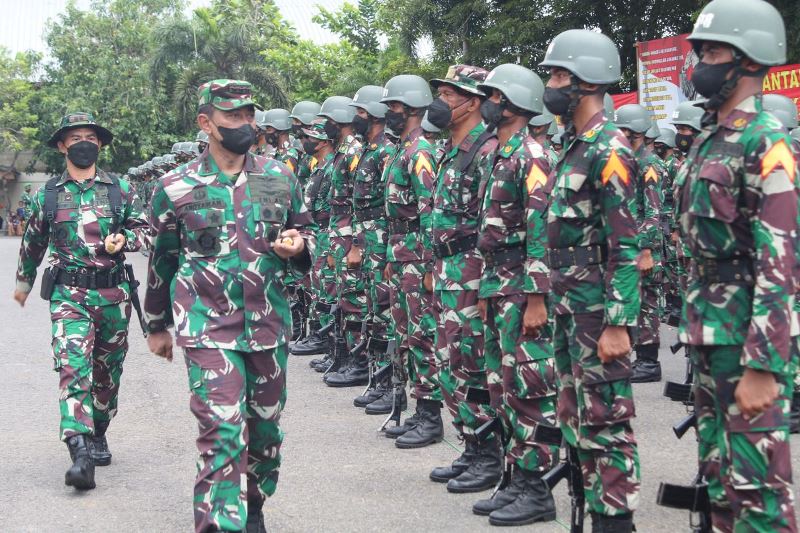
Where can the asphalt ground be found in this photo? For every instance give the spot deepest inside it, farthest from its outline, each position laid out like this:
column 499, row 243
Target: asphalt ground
column 339, row 474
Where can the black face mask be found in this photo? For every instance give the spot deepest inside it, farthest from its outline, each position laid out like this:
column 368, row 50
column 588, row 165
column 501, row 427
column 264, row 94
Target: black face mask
column 684, row 142
column 396, row 121
column 309, row 146
column 440, row 114
column 557, row 100
column 238, row 140
column 332, row 130
column 709, row 79
column 271, row 138
column 661, row 150
column 297, row 129
column 492, row 114
column 83, row 154
column 360, row 125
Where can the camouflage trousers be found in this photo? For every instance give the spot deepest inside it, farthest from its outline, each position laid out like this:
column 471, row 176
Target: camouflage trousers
column 595, row 408
column 377, row 288
column 522, row 381
column 89, row 346
column 237, row 398
column 415, row 328
column 746, row 462
column 350, row 287
column 650, row 313
column 459, row 352
column 323, row 281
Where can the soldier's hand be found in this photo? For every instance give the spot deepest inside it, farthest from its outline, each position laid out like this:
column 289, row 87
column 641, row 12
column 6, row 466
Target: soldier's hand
column 427, row 281
column 756, row 391
column 354, row 257
column 331, row 261
column 20, row 297
column 646, row 262
column 535, row 316
column 289, row 244
column 160, row 344
column 114, row 243
column 387, row 271
column 614, row 343
column 482, row 308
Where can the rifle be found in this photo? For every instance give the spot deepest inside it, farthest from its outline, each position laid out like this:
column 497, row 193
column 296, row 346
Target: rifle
column 132, row 282
column 397, row 392
column 338, row 344
column 375, row 346
column 569, row 469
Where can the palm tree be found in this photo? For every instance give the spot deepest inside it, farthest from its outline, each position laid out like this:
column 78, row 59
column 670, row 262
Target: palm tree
column 223, row 41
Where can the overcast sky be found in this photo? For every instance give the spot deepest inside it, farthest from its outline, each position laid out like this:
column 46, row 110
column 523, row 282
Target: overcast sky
column 22, row 23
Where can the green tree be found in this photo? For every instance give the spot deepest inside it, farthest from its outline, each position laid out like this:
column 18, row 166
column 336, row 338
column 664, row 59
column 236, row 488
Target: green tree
column 17, row 120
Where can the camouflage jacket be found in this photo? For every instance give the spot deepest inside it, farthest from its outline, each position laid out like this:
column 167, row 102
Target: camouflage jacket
column 342, row 171
column 590, row 205
column 83, row 220
column 318, row 191
column 650, row 199
column 212, row 267
column 514, row 189
column 410, row 177
column 305, row 166
column 27, row 200
column 739, row 200
column 288, row 155
column 456, row 208
column 369, row 189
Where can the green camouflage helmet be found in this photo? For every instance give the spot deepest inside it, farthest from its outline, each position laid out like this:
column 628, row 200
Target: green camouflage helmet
column 193, row 148
column 278, row 119
column 427, row 126
column 633, row 117
column 553, row 129
column 305, row 111
column 653, row 132
column 368, row 98
column 337, row 108
column 589, row 55
column 556, row 139
column 133, row 172
column 260, row 115
column 545, row 119
column 753, row 27
column 157, row 161
column 783, row 108
column 202, row 137
column 148, row 166
column 521, row 86
column 666, row 136
column 688, row 114
column 795, row 133
column 226, row 95
column 176, row 148
column 169, row 159
column 317, row 130
column 407, row 89
column 463, row 77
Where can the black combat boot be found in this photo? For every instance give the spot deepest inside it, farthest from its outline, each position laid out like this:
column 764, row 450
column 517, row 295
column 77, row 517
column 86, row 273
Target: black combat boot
column 646, row 368
column 483, row 473
column 373, row 394
column 383, row 405
column 534, row 503
column 612, row 524
column 443, row 474
column 354, row 375
column 255, row 518
column 81, row 474
column 393, row 432
column 429, row 429
column 794, row 413
column 298, row 320
column 312, row 345
column 98, row 445
column 502, row 497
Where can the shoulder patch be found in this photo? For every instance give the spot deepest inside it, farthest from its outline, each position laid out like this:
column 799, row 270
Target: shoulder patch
column 779, row 155
column 354, row 163
column 614, row 166
column 422, row 163
column 651, row 174
column 536, row 178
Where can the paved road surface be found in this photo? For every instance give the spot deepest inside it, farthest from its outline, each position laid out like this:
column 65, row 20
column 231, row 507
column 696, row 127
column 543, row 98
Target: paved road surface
column 338, row 474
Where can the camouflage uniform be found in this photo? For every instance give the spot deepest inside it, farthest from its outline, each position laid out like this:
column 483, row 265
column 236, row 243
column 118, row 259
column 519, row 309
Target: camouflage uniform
column 591, row 210
column 305, row 165
column 521, row 369
column 90, row 326
column 27, row 202
column 323, row 277
column 213, row 275
column 289, row 156
column 737, row 210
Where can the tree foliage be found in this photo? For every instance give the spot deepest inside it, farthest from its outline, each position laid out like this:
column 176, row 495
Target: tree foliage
column 18, row 122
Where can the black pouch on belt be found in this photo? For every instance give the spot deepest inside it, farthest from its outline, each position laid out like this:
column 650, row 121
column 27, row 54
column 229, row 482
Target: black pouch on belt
column 48, row 283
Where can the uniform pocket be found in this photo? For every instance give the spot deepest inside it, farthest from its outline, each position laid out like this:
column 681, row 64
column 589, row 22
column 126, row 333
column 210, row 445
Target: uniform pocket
column 607, row 403
column 570, row 199
column 716, row 194
column 205, row 233
column 535, row 379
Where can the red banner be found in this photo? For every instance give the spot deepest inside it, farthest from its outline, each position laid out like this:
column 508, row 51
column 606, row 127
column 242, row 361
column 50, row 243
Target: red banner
column 624, row 99
column 784, row 80
column 665, row 69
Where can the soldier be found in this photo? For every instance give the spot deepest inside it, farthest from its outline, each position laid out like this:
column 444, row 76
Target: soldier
column 650, row 136
column 229, row 225
column 202, row 141
column 635, row 122
column 276, row 125
column 737, row 211
column 88, row 219
column 557, row 143
column 539, row 128
column 457, row 274
column 594, row 280
column 303, row 114
column 410, row 176
column 665, row 148
column 27, row 201
column 513, row 294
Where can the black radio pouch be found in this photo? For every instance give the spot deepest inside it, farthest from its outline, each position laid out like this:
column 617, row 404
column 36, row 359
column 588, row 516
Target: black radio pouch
column 48, row 283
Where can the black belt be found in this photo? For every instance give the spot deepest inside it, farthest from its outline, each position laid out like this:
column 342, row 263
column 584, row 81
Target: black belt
column 398, row 226
column 341, row 209
column 504, row 256
column 91, row 278
column 593, row 254
column 456, row 246
column 372, row 213
column 727, row 270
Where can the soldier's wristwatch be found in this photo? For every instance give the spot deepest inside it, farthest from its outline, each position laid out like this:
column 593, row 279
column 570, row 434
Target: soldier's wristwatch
column 356, row 242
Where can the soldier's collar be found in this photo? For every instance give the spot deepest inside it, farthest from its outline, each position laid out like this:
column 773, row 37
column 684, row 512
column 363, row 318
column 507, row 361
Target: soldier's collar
column 100, row 176
column 208, row 166
column 742, row 114
column 412, row 136
column 376, row 142
column 469, row 140
column 513, row 143
column 345, row 145
column 593, row 128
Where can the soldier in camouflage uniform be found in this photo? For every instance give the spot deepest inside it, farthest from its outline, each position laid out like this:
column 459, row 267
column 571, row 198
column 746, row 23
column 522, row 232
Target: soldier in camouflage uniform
column 635, row 122
column 540, row 128
column 229, row 225
column 457, row 274
column 514, row 189
column 409, row 177
column 302, row 115
column 737, row 211
column 276, row 124
column 27, row 201
column 594, row 280
column 88, row 222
